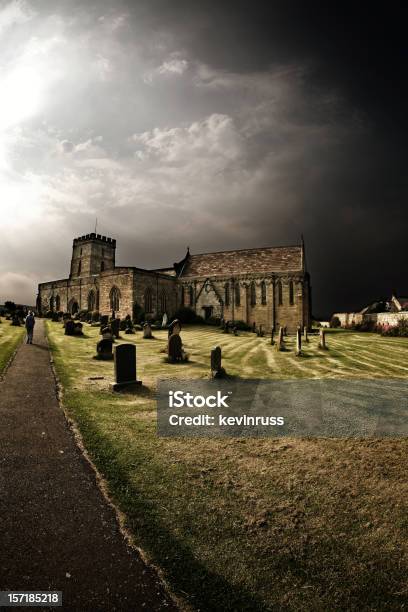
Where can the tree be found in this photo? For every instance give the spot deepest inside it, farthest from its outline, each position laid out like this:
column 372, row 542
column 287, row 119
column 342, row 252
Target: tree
column 10, row 306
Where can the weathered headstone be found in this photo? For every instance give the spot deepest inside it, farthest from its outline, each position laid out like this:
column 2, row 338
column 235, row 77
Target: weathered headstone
column 175, row 348
column 147, row 331
column 164, row 320
column 107, row 333
column 217, row 371
column 174, row 327
column 69, row 327
column 104, row 349
column 115, row 327
column 322, row 339
column 125, row 367
column 129, row 325
column 298, row 342
column 280, row 344
column 78, row 328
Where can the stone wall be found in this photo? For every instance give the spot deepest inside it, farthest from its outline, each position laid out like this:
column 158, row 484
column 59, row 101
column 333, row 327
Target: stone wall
column 163, row 293
column 121, row 280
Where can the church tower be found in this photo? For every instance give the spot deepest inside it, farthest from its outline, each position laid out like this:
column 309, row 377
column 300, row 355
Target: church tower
column 91, row 255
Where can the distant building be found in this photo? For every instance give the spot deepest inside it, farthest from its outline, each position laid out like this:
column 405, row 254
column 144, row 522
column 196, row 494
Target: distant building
column 262, row 286
column 382, row 312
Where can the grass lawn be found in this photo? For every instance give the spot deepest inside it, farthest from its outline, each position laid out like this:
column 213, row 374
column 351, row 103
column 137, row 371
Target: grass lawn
column 250, row 524
column 10, row 337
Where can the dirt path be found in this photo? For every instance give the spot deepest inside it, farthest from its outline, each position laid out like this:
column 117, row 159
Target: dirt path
column 57, row 530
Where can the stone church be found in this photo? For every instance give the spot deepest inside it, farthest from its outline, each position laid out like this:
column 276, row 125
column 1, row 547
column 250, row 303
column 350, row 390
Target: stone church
column 265, row 286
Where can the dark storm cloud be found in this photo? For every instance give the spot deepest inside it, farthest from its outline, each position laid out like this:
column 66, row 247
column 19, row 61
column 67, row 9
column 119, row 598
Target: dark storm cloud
column 214, row 124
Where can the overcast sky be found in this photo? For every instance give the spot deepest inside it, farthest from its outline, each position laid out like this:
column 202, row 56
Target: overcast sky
column 216, row 125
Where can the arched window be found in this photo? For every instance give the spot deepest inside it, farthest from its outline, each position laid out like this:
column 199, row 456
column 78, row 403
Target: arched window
column 280, row 297
column 58, row 303
column 183, row 299
column 291, row 294
column 163, row 302
column 114, row 299
column 92, row 301
column 237, row 295
column 102, row 266
column 191, row 295
column 263, row 293
column 253, row 294
column 73, row 306
column 148, row 300
column 79, row 267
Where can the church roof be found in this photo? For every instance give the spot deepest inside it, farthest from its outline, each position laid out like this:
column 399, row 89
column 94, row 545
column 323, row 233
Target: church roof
column 244, row 261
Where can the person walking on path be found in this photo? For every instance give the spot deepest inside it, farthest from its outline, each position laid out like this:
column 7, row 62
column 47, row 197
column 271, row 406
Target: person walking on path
column 29, row 324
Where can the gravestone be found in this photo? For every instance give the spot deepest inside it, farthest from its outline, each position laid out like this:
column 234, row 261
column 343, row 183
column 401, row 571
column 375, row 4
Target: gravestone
column 175, row 349
column 164, row 320
column 174, row 327
column 15, row 321
column 147, row 331
column 298, row 342
column 128, row 325
column 107, row 333
column 280, row 344
column 305, row 334
column 125, row 367
column 322, row 339
column 115, row 327
column 217, row 371
column 78, row 328
column 104, row 349
column 104, row 321
column 69, row 327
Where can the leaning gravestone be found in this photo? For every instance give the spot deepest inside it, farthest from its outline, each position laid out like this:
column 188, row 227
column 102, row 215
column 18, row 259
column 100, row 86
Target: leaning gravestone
column 104, row 349
column 217, row 371
column 147, row 331
column 70, row 327
column 175, row 348
column 322, row 339
column 125, row 367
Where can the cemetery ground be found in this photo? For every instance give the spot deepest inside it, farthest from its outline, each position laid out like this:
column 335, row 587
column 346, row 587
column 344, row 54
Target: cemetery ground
column 10, row 337
column 250, row 524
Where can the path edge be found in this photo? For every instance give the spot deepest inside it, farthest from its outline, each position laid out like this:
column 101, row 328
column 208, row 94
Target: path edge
column 102, row 485
column 11, row 359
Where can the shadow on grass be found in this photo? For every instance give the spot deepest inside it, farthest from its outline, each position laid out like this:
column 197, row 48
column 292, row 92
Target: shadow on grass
column 139, row 390
column 205, row 590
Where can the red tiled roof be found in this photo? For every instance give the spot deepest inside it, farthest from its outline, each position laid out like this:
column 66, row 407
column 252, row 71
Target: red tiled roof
column 245, row 261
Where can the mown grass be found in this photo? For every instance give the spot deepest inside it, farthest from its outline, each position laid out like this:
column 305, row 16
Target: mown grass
column 10, row 337
column 251, row 524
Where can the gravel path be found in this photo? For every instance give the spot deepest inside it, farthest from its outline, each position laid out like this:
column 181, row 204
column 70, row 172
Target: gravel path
column 57, row 530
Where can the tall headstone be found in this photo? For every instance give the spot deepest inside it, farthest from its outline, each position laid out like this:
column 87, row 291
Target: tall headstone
column 115, row 327
column 217, row 371
column 147, row 331
column 125, row 367
column 175, row 349
column 280, row 344
column 322, row 339
column 298, row 342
